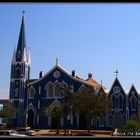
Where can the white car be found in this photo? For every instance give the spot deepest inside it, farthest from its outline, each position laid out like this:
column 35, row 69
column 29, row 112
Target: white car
column 26, row 131
column 10, row 133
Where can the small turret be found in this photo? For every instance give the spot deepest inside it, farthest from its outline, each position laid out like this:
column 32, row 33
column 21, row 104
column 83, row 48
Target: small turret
column 41, row 74
column 73, row 73
column 90, row 75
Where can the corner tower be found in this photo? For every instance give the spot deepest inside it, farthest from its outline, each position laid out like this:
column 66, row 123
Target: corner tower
column 20, row 73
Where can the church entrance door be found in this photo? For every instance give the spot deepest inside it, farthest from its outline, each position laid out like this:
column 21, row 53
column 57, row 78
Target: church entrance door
column 30, row 120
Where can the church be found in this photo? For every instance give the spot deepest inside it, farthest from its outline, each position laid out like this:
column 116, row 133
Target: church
column 28, row 97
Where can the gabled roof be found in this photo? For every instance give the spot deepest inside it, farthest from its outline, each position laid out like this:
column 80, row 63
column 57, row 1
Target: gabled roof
column 93, row 82
column 132, row 88
column 67, row 73
column 116, row 81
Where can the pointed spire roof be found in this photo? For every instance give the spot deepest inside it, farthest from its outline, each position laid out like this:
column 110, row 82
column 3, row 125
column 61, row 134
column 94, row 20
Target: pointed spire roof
column 21, row 40
column 132, row 90
column 118, row 84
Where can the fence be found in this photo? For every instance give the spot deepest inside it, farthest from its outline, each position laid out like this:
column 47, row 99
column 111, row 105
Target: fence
column 129, row 132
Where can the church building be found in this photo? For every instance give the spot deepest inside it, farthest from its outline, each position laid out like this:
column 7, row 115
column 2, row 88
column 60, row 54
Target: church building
column 28, row 97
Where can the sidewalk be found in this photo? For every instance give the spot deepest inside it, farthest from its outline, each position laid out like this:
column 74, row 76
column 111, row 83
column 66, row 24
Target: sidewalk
column 98, row 133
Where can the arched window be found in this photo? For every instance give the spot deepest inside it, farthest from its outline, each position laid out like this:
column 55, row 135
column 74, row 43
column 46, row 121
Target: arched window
column 57, row 90
column 31, row 93
column 117, row 103
column 50, row 90
column 16, row 92
column 18, row 73
column 120, row 101
column 113, row 100
column 65, row 88
column 133, row 103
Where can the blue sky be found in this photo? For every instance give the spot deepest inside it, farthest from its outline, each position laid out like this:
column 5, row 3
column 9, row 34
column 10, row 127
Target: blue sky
column 97, row 37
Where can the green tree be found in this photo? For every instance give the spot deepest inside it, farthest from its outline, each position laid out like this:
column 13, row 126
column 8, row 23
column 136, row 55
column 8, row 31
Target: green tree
column 56, row 112
column 4, row 112
column 103, row 104
column 66, row 103
column 90, row 103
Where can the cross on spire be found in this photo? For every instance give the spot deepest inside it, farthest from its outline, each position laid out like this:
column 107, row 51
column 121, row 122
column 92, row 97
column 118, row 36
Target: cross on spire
column 116, row 72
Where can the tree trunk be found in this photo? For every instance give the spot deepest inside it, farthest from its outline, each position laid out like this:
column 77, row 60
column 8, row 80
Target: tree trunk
column 57, row 132
column 88, row 123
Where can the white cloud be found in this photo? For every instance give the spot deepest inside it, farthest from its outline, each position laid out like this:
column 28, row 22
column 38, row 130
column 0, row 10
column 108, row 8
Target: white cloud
column 4, row 93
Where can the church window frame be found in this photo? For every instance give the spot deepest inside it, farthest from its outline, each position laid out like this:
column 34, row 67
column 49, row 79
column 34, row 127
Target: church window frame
column 120, row 100
column 16, row 92
column 49, row 90
column 113, row 99
column 65, row 88
column 17, row 73
column 31, row 93
column 117, row 102
column 133, row 102
column 57, row 91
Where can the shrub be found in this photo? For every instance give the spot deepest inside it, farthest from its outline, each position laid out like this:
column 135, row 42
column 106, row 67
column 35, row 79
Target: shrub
column 132, row 124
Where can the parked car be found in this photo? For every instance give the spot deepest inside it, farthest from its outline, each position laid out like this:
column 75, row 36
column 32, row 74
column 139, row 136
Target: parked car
column 26, row 131
column 10, row 133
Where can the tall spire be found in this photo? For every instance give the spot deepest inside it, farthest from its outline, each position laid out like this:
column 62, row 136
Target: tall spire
column 21, row 40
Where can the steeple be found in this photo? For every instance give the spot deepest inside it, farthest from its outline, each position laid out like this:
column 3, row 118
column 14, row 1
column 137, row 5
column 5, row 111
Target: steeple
column 20, row 73
column 21, row 41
